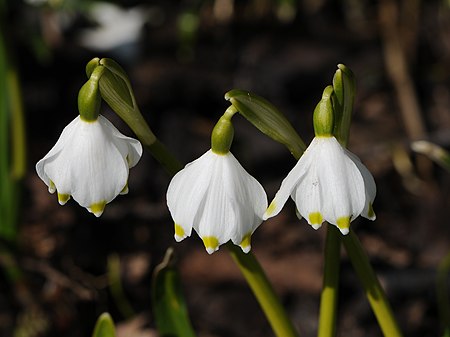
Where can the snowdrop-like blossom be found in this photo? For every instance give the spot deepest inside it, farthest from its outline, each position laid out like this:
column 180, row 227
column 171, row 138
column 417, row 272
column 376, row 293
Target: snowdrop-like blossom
column 328, row 183
column 216, row 196
column 219, row 199
column 90, row 162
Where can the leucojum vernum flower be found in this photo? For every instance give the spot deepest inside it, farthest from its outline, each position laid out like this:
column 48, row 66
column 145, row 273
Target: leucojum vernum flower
column 328, row 183
column 216, row 196
column 90, row 161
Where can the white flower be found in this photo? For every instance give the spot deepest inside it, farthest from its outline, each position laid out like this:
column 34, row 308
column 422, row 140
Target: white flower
column 90, row 162
column 219, row 199
column 328, row 183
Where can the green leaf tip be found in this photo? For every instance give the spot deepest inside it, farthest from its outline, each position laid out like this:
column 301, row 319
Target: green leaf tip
column 104, row 326
column 266, row 118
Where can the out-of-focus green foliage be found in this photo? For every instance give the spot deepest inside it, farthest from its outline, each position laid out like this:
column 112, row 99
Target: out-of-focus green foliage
column 169, row 306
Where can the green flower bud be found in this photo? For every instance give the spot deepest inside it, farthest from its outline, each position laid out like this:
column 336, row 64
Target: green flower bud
column 323, row 117
column 89, row 97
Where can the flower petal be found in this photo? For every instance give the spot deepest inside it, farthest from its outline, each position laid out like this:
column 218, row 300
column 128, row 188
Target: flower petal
column 369, row 185
column 186, row 192
column 248, row 199
column 133, row 149
column 342, row 185
column 307, row 196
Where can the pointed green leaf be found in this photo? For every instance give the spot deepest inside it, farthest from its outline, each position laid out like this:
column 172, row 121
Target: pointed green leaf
column 104, row 326
column 267, row 118
column 344, row 86
column 169, row 305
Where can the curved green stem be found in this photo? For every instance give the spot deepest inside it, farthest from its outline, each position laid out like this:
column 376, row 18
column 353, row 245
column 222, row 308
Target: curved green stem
column 263, row 291
column 329, row 296
column 372, row 287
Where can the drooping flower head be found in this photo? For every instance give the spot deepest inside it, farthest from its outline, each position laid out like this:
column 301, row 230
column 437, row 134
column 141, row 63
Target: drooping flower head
column 91, row 159
column 216, row 196
column 328, row 183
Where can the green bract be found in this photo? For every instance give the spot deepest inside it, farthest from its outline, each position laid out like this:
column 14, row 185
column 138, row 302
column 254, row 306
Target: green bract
column 344, row 95
column 267, row 118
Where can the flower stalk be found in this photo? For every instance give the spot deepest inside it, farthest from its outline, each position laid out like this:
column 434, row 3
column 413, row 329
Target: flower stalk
column 329, row 295
column 263, row 291
column 372, row 287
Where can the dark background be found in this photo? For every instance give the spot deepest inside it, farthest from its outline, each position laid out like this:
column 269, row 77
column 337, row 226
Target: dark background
column 184, row 57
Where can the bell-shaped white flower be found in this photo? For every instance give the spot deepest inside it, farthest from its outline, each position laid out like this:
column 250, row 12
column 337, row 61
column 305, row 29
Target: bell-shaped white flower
column 89, row 162
column 328, row 183
column 216, row 196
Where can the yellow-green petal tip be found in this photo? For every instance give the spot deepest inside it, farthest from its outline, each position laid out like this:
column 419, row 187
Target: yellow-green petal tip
column 97, row 208
column 211, row 243
column 343, row 223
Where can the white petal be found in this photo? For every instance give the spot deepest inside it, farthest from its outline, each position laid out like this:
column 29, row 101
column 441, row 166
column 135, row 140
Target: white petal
column 369, row 184
column 186, row 192
column 248, row 199
column 64, row 138
column 217, row 217
column 133, row 149
column 307, row 196
column 342, row 185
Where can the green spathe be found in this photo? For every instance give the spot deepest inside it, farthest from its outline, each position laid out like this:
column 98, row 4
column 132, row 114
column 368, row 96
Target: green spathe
column 323, row 115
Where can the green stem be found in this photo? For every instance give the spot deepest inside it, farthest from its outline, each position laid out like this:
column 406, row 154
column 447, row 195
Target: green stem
column 372, row 287
column 443, row 293
column 263, row 291
column 164, row 157
column 329, row 296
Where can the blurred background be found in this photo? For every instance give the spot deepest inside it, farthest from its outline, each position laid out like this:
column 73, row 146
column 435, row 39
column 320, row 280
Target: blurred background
column 60, row 267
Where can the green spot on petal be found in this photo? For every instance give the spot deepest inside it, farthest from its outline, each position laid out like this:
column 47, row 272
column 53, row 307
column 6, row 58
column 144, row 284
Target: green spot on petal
column 315, row 218
column 63, row 198
column 370, row 212
column 343, row 224
column 211, row 243
column 52, row 187
column 179, row 231
column 124, row 189
column 97, row 208
column 271, row 208
column 246, row 243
